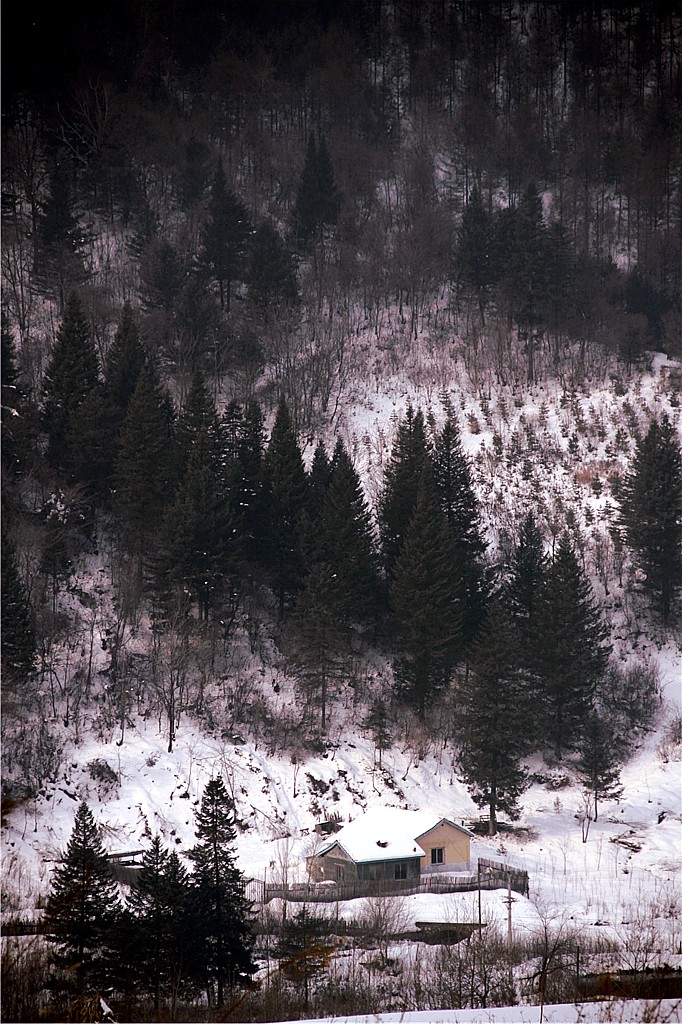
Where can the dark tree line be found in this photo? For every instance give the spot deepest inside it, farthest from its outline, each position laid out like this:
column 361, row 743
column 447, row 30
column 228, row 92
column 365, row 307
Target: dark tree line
column 179, row 935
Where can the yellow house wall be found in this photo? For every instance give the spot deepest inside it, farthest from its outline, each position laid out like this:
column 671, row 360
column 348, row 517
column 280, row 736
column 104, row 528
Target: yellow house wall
column 456, row 844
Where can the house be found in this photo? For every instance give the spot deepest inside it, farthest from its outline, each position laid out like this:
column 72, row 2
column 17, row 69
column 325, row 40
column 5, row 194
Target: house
column 388, row 844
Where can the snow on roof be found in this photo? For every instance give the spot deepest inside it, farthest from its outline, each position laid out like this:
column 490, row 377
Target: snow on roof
column 385, row 833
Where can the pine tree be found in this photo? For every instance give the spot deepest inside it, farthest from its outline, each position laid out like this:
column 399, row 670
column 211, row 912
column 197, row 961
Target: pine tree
column 475, row 249
column 18, row 633
column 272, row 274
column 492, row 720
column 72, row 374
column 83, row 906
column 598, row 765
column 285, row 486
column 427, row 603
column 318, row 482
column 158, row 943
column 125, row 361
column 225, row 237
column 92, row 445
column 523, row 588
column 527, row 269
column 59, row 265
column 570, row 650
column 251, row 489
column 317, row 197
column 452, row 476
column 220, row 911
column 401, row 485
column 345, row 539
column 14, row 412
column 145, row 464
column 651, row 511
column 320, row 637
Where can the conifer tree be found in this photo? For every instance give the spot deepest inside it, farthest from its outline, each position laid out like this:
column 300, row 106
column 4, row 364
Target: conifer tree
column 598, row 766
column 13, row 410
column 18, row 633
column 346, row 539
column 124, row 364
column 83, row 907
column 317, row 197
column 225, row 237
column 72, row 374
column 220, row 911
column 304, row 950
column 320, row 641
column 59, row 265
column 285, row 485
column 145, row 464
column 318, row 482
column 571, row 651
column 651, row 511
column 452, row 476
column 427, row 602
column 492, row 727
column 523, row 588
column 272, row 274
column 409, row 455
column 251, row 488
column 158, row 943
column 475, row 254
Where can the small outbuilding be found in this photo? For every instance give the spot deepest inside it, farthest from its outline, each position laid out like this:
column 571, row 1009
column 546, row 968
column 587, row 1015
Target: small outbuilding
column 388, row 845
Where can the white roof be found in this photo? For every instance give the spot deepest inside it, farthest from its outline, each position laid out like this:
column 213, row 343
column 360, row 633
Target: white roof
column 385, row 833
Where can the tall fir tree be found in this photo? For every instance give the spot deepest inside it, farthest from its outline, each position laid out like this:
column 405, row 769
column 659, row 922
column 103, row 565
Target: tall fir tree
column 125, row 361
column 427, row 602
column 453, row 479
column 317, row 197
column 72, row 374
column 320, row 639
column 158, row 941
column 345, row 539
column 285, row 485
column 251, row 487
column 475, row 249
column 272, row 273
column 523, row 587
column 144, row 474
column 398, row 499
column 83, row 906
column 60, row 242
column 17, row 629
column 225, row 237
column 598, row 765
column 492, row 720
column 13, row 410
column 571, row 652
column 220, row 910
column 651, row 511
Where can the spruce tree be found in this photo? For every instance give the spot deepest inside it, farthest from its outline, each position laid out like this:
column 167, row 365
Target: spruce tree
column 272, row 273
column 598, row 766
column 318, row 482
column 13, row 410
column 59, row 265
column 72, row 374
column 492, row 720
column 158, row 944
column 225, row 237
column 317, row 197
column 570, row 650
column 304, row 950
column 220, row 911
column 83, row 906
column 285, row 485
column 475, row 249
column 125, row 361
column 18, row 633
column 251, row 487
column 651, row 511
column 427, row 603
column 145, row 465
column 409, row 455
column 523, row 587
column 452, row 476
column 345, row 539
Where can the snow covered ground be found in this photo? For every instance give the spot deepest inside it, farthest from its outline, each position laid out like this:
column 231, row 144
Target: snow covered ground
column 667, row 1010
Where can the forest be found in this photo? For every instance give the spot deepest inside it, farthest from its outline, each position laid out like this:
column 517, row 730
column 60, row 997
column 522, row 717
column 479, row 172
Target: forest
column 225, row 225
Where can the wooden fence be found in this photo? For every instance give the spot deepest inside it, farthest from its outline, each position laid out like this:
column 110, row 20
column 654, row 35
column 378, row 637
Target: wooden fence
column 492, row 875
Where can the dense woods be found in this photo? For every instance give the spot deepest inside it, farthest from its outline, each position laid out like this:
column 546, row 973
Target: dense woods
column 217, row 220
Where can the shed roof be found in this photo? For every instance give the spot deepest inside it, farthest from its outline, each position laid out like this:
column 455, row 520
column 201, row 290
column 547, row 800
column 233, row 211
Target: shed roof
column 386, row 833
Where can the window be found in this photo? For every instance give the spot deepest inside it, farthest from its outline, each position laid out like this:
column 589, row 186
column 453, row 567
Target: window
column 400, row 870
column 340, row 873
column 438, row 855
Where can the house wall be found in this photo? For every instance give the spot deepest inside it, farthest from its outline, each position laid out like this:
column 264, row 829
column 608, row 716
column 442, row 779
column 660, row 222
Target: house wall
column 327, row 866
column 456, row 847
column 384, row 870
